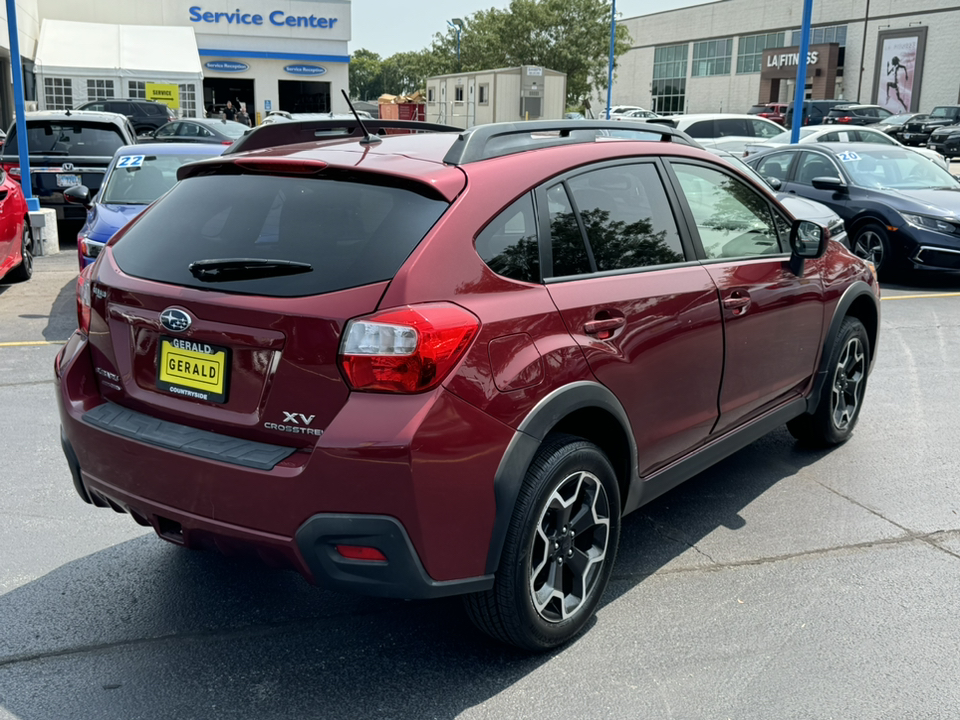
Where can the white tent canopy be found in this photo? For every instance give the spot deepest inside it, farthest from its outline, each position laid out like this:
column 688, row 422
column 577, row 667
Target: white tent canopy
column 142, row 52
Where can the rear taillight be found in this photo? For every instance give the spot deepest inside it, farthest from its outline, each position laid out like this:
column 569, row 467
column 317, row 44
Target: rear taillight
column 406, row 350
column 226, row 142
column 12, row 169
column 844, row 119
column 83, row 299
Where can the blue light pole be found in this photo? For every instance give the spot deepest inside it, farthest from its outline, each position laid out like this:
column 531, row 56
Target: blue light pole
column 798, row 96
column 16, row 66
column 457, row 24
column 613, row 37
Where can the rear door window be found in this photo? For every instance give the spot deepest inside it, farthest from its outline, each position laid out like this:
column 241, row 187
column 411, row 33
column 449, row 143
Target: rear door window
column 349, row 233
column 764, row 130
column 702, row 129
column 627, row 217
column 733, row 127
column 776, row 166
column 566, row 238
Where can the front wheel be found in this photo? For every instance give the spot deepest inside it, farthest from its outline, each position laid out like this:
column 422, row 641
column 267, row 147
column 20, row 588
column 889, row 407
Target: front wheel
column 842, row 395
column 559, row 551
column 872, row 242
column 24, row 271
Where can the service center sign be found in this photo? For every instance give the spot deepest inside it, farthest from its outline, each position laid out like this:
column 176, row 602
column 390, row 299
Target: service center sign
column 272, row 18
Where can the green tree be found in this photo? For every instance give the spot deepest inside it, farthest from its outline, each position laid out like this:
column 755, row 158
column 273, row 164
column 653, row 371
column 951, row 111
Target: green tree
column 406, row 72
column 366, row 75
column 571, row 36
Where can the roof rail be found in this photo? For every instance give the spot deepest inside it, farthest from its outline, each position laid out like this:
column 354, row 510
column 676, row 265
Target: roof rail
column 489, row 141
column 303, row 131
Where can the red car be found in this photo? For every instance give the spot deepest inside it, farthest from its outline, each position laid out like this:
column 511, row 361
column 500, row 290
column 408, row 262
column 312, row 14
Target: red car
column 770, row 111
column 449, row 362
column 16, row 238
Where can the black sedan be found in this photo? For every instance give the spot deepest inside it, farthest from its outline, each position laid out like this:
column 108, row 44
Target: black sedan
column 198, row 130
column 895, row 124
column 901, row 210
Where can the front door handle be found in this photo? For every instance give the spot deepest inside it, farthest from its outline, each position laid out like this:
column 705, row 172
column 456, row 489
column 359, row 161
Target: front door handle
column 595, row 327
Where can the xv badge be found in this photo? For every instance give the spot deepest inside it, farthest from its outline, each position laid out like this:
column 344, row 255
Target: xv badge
column 292, row 418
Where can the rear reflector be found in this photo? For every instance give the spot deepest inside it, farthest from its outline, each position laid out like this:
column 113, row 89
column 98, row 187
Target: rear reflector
column 359, row 552
column 408, row 349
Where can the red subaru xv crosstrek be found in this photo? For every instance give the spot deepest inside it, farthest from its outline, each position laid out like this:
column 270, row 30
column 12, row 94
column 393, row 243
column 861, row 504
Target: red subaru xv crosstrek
column 449, row 362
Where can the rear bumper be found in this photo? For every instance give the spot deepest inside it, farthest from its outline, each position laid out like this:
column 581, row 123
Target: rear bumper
column 396, row 487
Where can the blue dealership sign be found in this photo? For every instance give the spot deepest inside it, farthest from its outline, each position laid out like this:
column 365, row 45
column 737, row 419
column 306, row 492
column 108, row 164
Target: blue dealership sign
column 226, row 66
column 305, row 69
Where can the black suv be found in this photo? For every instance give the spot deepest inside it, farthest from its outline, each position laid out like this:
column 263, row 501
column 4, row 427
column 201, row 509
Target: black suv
column 67, row 148
column 145, row 115
column 814, row 111
column 856, row 115
column 918, row 130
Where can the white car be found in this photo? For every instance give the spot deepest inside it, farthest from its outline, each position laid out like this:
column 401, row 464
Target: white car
column 727, row 131
column 635, row 115
column 831, row 133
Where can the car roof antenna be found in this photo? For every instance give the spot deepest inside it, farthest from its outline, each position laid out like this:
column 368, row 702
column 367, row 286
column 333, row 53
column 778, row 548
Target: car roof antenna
column 368, row 139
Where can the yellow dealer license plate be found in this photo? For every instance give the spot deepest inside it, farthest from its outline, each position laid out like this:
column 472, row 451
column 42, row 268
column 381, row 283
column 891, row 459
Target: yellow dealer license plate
column 193, row 369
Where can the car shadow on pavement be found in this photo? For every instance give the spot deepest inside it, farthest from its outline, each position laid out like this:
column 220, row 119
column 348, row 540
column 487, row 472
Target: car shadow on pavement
column 146, row 629
column 943, row 280
column 63, row 315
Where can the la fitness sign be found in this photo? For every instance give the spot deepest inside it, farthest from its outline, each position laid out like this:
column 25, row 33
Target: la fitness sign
column 788, row 59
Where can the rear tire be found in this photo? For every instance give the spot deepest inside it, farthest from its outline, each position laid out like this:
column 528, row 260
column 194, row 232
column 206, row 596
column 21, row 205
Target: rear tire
column 24, row 271
column 559, row 550
column 842, row 395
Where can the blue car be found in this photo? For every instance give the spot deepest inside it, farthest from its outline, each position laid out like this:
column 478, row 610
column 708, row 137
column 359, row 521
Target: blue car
column 137, row 175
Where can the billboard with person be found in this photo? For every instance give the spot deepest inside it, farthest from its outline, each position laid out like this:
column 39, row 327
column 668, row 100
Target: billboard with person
column 899, row 69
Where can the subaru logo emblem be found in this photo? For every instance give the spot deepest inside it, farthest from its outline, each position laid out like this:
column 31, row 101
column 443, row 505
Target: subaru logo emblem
column 68, row 167
column 175, row 320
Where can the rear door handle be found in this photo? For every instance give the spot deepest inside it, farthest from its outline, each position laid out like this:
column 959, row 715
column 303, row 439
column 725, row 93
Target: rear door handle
column 738, row 301
column 593, row 327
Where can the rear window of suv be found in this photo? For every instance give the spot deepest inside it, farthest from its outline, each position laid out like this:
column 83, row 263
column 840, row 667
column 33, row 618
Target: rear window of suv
column 51, row 137
column 350, row 233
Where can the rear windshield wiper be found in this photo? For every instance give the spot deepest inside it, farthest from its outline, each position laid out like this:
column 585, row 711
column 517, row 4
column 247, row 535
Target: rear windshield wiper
column 228, row 270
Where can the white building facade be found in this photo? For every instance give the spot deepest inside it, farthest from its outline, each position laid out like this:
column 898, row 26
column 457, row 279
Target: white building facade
column 269, row 54
column 726, row 56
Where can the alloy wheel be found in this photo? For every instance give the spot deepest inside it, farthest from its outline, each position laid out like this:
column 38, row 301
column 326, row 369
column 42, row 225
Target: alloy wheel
column 569, row 547
column 848, row 383
column 869, row 246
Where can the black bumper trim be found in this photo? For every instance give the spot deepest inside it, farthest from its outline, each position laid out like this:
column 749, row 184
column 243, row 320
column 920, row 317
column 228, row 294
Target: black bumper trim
column 401, row 576
column 74, row 465
column 173, row 436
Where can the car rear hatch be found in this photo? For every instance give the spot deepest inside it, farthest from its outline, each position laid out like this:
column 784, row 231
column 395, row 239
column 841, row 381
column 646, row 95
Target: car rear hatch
column 64, row 153
column 222, row 305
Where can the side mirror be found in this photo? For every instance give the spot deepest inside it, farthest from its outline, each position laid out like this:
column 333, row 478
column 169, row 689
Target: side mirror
column 774, row 182
column 829, row 183
column 78, row 195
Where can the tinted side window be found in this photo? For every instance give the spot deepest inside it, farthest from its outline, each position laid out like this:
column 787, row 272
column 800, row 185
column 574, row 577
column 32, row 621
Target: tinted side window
column 566, row 240
column 732, row 127
column 149, row 109
column 508, row 245
column 732, row 219
column 124, row 108
column 169, row 130
column 350, row 233
column 701, row 129
column 627, row 217
column 813, row 165
column 880, row 138
column 775, row 166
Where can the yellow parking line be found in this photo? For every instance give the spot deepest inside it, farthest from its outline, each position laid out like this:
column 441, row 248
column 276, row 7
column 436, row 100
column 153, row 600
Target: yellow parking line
column 33, row 342
column 919, row 297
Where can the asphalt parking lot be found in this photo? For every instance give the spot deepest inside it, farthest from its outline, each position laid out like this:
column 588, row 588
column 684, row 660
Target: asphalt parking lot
column 783, row 583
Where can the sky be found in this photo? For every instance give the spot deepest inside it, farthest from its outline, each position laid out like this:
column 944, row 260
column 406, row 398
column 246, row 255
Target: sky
column 391, row 26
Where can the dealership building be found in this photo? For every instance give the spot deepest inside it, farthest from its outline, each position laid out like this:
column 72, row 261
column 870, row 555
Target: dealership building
column 194, row 55
column 726, row 56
